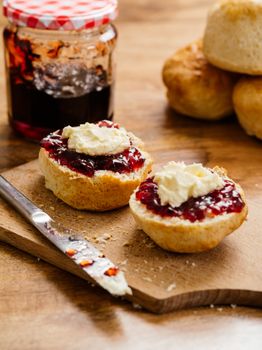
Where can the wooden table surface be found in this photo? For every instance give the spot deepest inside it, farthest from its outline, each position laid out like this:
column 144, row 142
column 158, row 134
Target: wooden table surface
column 42, row 307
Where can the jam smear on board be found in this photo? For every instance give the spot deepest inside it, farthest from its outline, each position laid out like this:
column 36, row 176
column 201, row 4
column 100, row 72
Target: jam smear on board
column 112, row 271
column 226, row 200
column 125, row 162
column 36, row 106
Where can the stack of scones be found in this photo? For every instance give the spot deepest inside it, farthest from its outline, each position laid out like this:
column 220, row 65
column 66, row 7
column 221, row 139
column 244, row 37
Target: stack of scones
column 211, row 78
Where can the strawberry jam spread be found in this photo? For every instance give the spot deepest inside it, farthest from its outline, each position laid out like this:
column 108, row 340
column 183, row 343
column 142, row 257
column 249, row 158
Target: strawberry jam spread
column 125, row 162
column 47, row 93
column 224, row 201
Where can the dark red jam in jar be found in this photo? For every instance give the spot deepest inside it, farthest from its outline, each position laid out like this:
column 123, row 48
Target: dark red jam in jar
column 130, row 160
column 224, row 201
column 59, row 63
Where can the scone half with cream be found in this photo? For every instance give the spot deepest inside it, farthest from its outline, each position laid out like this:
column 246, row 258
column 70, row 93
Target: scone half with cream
column 188, row 208
column 93, row 166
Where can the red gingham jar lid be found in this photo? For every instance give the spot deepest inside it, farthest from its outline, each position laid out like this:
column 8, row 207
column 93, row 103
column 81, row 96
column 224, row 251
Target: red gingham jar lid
column 60, row 14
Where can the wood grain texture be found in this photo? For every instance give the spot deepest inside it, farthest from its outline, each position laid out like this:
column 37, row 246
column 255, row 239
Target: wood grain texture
column 229, row 274
column 46, row 308
column 43, row 307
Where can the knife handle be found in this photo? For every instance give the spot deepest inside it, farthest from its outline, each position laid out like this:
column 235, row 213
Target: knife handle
column 30, row 211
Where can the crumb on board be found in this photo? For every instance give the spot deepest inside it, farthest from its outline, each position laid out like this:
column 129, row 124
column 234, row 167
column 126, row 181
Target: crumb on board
column 171, row 287
column 102, row 239
column 233, row 306
column 147, row 279
column 124, row 262
column 150, row 245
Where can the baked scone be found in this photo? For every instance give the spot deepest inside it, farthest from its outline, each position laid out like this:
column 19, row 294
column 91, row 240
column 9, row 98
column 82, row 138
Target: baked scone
column 196, row 88
column 188, row 208
column 93, row 166
column 247, row 99
column 233, row 36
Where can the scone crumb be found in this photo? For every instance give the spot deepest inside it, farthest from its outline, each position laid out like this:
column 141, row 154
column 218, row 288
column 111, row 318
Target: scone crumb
column 102, row 239
column 171, row 287
column 147, row 279
column 137, row 306
column 124, row 262
column 107, row 236
column 233, row 306
column 150, row 245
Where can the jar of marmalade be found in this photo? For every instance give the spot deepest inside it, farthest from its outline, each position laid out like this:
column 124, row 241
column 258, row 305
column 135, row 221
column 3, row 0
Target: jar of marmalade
column 59, row 62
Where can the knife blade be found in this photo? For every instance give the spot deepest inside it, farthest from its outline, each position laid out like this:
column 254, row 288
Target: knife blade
column 88, row 258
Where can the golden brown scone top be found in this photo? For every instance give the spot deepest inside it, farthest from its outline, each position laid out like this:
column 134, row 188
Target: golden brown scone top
column 235, row 9
column 190, row 60
column 195, row 87
column 190, row 63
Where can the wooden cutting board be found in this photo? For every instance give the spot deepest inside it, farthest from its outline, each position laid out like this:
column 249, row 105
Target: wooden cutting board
column 161, row 281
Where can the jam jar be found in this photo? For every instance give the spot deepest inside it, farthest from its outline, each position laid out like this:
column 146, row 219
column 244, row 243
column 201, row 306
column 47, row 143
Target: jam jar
column 59, row 62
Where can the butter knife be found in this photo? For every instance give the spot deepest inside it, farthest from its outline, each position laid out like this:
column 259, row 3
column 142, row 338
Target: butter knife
column 88, row 258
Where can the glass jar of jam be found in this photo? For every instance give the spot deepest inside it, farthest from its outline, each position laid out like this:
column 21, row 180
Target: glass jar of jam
column 59, row 62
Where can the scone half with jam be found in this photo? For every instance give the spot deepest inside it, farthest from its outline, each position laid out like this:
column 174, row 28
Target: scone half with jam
column 93, row 166
column 188, row 208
